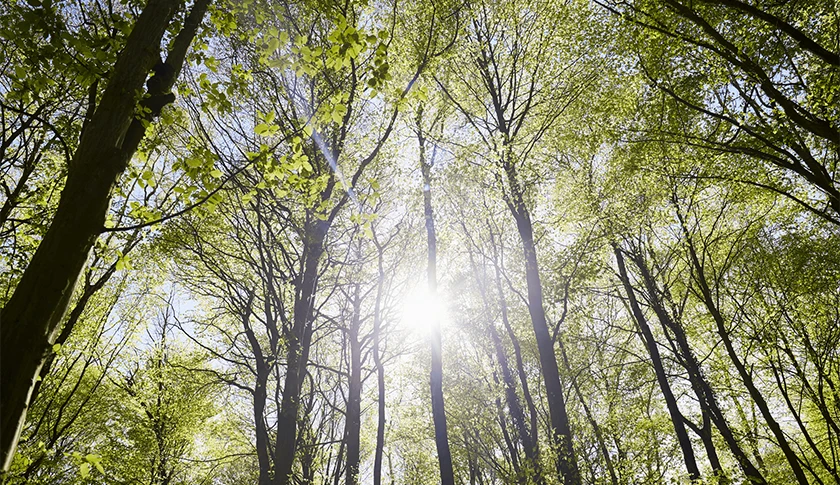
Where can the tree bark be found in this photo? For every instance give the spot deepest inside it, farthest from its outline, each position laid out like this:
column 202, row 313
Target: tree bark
column 31, row 318
column 517, row 350
column 670, row 401
column 599, row 435
column 353, row 418
column 380, row 369
column 531, row 469
column 299, row 339
column 746, row 377
column 447, row 476
column 701, row 387
column 560, row 428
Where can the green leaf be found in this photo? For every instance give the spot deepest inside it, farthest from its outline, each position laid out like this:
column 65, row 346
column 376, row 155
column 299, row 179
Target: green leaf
column 95, row 460
column 84, row 470
column 123, row 264
column 261, row 129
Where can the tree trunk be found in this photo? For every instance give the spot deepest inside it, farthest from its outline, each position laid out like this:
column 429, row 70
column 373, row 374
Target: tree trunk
column 517, row 351
column 297, row 354
column 599, row 435
column 531, row 467
column 380, row 369
column 670, row 401
column 560, row 428
column 31, row 318
column 447, row 476
column 353, row 418
column 755, row 394
column 704, row 391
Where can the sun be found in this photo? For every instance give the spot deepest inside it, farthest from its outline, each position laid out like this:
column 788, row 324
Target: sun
column 422, row 309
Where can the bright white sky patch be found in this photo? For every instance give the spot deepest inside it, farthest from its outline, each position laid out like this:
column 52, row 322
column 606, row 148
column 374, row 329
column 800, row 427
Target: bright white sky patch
column 420, row 309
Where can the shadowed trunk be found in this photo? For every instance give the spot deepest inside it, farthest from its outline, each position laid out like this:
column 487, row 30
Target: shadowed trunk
column 299, row 340
column 380, row 369
column 436, row 376
column 561, row 430
column 659, row 369
column 704, row 391
column 32, row 316
column 746, row 377
column 353, row 418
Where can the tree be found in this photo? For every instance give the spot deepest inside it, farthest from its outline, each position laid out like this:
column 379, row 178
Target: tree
column 32, row 315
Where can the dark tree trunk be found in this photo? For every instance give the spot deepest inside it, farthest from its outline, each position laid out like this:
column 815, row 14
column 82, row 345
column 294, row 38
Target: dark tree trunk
column 353, row 418
column 560, row 428
column 746, row 377
column 599, row 434
column 531, row 467
column 31, row 318
column 704, row 391
column 299, row 339
column 517, row 351
column 260, row 394
column 380, row 369
column 447, row 476
column 661, row 377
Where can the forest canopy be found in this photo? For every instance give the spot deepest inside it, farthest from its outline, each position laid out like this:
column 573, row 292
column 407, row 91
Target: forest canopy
column 485, row 242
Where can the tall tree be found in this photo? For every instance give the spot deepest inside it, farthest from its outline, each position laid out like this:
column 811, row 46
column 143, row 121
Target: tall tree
column 447, row 476
column 32, row 315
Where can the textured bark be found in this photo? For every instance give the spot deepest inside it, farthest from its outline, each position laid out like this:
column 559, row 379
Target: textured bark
column 661, row 377
column 560, row 428
column 31, row 318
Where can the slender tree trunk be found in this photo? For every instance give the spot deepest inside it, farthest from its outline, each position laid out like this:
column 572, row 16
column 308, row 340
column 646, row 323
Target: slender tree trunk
column 599, row 435
column 701, row 386
column 353, row 418
column 705, row 434
column 778, row 374
column 531, row 467
column 12, row 198
column 512, row 451
column 380, row 369
column 69, row 325
column 447, row 476
column 31, row 318
column 517, row 350
column 661, row 377
column 259, row 396
column 560, row 428
column 297, row 354
column 746, row 377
